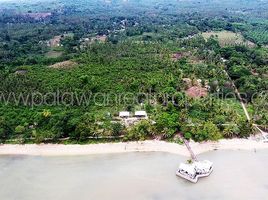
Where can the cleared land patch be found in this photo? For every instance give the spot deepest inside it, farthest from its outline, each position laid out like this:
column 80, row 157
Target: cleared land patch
column 227, row 38
column 64, row 65
column 53, row 54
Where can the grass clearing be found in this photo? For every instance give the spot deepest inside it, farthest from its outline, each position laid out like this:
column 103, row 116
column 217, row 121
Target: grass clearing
column 53, row 54
column 64, row 65
column 227, row 38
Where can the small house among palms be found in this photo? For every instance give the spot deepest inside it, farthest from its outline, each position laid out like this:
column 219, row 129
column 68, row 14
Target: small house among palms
column 128, row 120
column 141, row 114
column 124, row 114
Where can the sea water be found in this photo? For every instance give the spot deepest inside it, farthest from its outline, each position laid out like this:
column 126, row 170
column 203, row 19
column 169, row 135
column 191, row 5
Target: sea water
column 133, row 176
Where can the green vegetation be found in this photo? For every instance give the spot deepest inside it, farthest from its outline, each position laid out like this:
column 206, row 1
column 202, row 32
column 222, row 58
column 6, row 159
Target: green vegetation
column 65, row 76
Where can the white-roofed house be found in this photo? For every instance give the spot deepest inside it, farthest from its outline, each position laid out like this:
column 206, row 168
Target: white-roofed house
column 141, row 114
column 124, row 114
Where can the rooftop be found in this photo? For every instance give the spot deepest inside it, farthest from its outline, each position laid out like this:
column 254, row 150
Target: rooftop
column 124, row 114
column 141, row 113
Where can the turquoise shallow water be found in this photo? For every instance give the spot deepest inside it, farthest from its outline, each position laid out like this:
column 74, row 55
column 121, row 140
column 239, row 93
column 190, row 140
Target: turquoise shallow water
column 132, row 176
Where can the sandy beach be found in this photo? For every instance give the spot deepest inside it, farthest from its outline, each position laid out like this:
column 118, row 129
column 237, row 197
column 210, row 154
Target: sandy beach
column 145, row 146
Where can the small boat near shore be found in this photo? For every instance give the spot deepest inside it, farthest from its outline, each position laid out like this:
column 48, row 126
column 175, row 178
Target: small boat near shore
column 193, row 171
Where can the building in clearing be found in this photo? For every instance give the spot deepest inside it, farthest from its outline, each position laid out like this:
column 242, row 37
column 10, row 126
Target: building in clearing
column 141, row 114
column 124, row 114
column 128, row 120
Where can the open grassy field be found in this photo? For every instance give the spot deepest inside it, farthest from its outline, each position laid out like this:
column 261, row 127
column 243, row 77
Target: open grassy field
column 227, row 38
column 53, row 54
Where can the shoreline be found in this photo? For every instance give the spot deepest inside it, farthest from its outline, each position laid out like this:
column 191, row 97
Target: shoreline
column 144, row 146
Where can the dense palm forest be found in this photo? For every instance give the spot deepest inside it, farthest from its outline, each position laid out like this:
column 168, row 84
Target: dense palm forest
column 68, row 68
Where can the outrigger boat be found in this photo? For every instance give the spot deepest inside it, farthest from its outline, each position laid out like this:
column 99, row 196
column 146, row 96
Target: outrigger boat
column 192, row 172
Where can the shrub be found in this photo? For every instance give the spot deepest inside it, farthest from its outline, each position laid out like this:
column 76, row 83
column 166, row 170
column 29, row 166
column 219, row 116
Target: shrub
column 167, row 124
column 117, row 129
column 4, row 129
column 20, row 129
column 140, row 131
column 206, row 131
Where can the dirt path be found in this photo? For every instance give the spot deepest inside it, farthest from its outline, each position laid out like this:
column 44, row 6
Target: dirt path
column 264, row 134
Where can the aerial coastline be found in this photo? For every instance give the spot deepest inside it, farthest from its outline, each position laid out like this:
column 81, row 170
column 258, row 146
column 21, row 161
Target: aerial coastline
column 127, row 147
